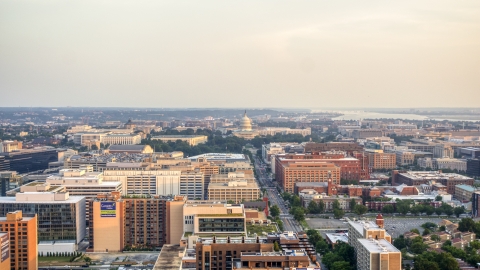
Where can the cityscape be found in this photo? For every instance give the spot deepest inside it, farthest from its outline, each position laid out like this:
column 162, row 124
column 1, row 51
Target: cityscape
column 239, row 135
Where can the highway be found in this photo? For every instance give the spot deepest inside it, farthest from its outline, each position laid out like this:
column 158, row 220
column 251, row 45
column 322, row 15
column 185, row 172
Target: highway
column 265, row 181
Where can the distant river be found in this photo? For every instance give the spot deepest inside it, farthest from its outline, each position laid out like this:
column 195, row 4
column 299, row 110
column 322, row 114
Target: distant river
column 359, row 115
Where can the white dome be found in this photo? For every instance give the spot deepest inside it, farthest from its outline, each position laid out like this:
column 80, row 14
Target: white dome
column 245, row 123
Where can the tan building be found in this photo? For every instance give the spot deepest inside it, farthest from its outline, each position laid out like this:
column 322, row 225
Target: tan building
column 5, row 250
column 10, row 146
column 451, row 164
column 192, row 140
column 379, row 254
column 23, row 240
column 291, row 172
column 405, row 158
column 379, row 160
column 107, row 225
column 236, row 191
column 174, row 224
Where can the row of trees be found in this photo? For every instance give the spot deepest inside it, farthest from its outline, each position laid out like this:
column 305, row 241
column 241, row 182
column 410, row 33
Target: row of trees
column 408, row 206
column 59, row 254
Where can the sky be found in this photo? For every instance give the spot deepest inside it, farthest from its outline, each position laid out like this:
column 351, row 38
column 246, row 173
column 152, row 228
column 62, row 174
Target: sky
column 242, row 54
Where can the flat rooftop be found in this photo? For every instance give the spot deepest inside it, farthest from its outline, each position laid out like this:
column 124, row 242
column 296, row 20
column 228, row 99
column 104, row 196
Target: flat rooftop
column 421, row 175
column 377, row 246
column 361, row 224
column 220, row 156
column 71, row 199
column 170, row 258
column 178, row 136
column 334, row 237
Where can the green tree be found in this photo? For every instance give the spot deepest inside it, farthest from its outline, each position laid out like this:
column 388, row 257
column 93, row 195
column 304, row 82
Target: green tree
column 438, row 198
column 400, row 242
column 340, row 265
column 94, row 147
column 312, row 207
column 438, row 211
column 338, row 213
column 321, row 207
column 352, row 204
column 429, row 210
column 336, row 204
column 274, row 211
column 458, row 211
column 475, row 244
column 418, row 247
column 466, row 224
column 403, row 207
column 426, row 232
column 447, row 209
column 330, row 258
column 429, row 225
column 415, row 231
column 387, row 209
column 276, row 247
column 321, row 247
column 435, row 238
column 298, row 213
column 360, row 209
column 314, row 236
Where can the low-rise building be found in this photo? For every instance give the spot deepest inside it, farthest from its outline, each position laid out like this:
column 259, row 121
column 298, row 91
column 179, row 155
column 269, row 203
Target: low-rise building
column 192, row 140
column 416, row 178
column 464, row 193
column 377, row 159
column 236, row 191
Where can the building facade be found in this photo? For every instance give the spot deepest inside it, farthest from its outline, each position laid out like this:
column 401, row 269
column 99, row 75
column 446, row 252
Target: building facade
column 235, row 191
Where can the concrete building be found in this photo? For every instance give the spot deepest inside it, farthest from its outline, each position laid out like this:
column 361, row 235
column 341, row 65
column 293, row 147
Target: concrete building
column 289, row 173
column 366, row 133
column 426, row 163
column 348, row 147
column 213, row 217
column 372, row 245
column 377, row 159
column 464, row 193
column 22, row 241
column 379, row 254
column 130, row 149
column 236, row 191
column 192, row 140
column 473, row 167
column 416, row 178
column 443, row 151
column 451, row 164
column 143, row 218
column 60, row 216
column 10, row 146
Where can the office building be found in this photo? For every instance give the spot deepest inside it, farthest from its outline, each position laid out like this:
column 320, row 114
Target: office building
column 192, row 140
column 366, row 133
column 59, row 215
column 22, row 231
column 442, row 150
column 235, row 191
column 469, row 152
column 99, row 162
column 416, row 178
column 464, row 193
column 130, row 149
column 213, row 217
column 8, row 181
column 476, row 204
column 451, row 164
column 29, row 160
column 378, row 160
column 289, row 173
column 10, row 146
column 348, row 147
column 473, row 167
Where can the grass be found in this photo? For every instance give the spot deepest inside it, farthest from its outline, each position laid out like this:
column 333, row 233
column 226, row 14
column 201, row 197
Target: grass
column 54, row 259
column 304, row 225
column 258, row 229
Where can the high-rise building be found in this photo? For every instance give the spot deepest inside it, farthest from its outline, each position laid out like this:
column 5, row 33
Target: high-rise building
column 236, row 191
column 29, row 160
column 23, row 240
column 476, row 204
column 473, row 167
column 377, row 159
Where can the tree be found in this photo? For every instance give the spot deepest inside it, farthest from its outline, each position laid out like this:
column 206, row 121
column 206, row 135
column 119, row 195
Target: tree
column 321, row 247
column 438, row 211
column 387, row 209
column 429, row 225
column 338, row 213
column 336, row 204
column 466, row 224
column 94, row 147
column 438, row 198
column 435, row 238
column 298, row 213
column 403, row 207
column 330, row 258
column 314, row 236
column 352, row 204
column 274, row 211
column 426, row 232
column 321, row 207
column 447, row 209
column 429, row 210
column 458, row 211
column 340, row 265
column 418, row 247
column 400, row 242
column 442, row 228
column 415, row 231
column 275, row 246
column 312, row 207
column 475, row 244
column 360, row 209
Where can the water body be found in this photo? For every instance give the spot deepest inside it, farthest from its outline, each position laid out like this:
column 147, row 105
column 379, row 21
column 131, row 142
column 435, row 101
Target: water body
column 360, row 115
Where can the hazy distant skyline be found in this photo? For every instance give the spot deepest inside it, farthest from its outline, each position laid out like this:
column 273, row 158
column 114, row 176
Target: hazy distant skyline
column 240, row 54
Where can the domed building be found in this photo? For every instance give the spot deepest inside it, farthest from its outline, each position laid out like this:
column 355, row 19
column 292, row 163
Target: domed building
column 245, row 128
column 245, row 123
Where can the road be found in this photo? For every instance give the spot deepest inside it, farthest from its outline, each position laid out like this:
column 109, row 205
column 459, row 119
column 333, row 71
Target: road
column 265, row 181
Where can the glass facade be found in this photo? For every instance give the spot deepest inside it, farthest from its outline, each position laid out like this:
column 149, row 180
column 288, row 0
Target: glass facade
column 221, row 224
column 56, row 221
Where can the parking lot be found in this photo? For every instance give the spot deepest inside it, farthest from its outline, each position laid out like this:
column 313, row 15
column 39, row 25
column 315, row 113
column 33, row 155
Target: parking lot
column 394, row 225
column 137, row 257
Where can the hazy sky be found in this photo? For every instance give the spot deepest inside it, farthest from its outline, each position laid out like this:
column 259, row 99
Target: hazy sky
column 240, row 53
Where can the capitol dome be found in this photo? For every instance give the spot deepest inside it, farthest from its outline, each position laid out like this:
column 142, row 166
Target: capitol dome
column 245, row 123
